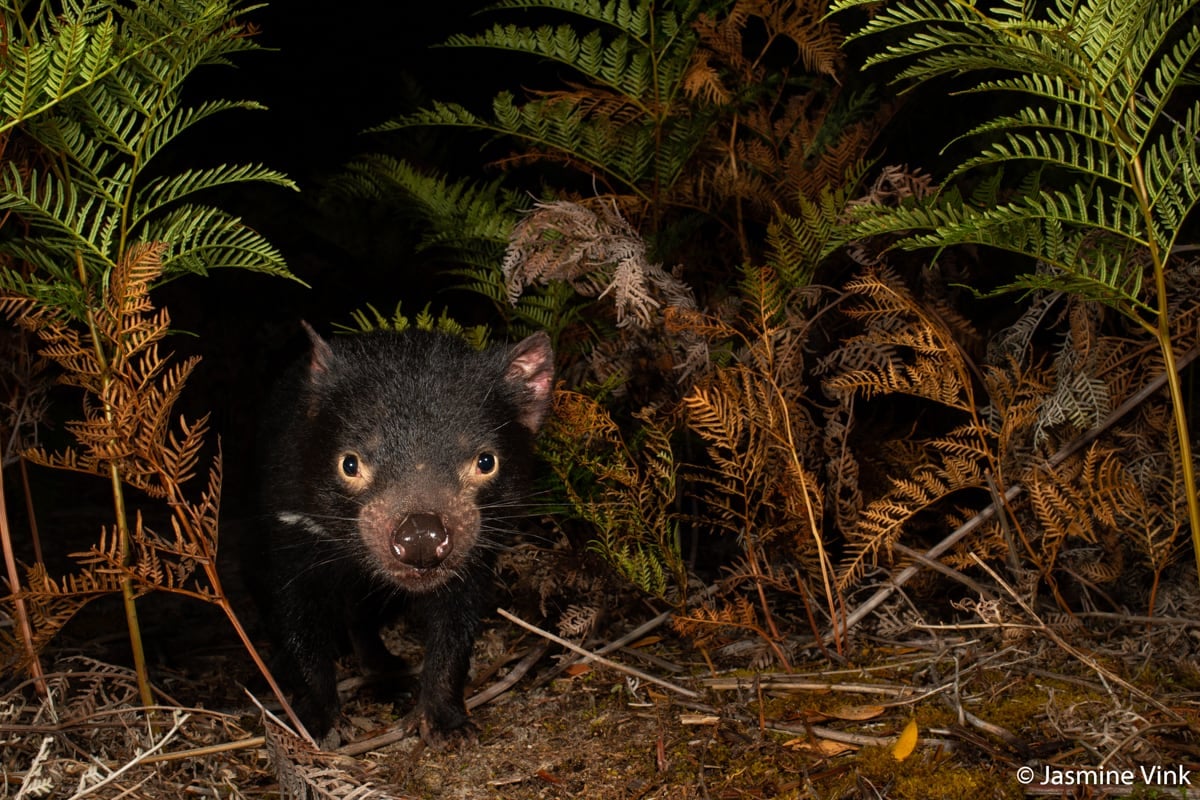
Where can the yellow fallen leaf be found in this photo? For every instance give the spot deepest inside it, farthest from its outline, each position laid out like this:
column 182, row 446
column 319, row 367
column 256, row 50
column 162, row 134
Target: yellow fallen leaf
column 906, row 742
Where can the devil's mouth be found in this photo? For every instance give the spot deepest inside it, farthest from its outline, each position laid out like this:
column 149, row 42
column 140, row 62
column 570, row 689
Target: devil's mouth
column 420, row 578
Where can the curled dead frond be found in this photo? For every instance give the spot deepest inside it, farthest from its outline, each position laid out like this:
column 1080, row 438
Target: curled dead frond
column 598, row 253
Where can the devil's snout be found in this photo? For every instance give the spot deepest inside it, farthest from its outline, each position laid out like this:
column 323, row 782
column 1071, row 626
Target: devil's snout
column 421, row 542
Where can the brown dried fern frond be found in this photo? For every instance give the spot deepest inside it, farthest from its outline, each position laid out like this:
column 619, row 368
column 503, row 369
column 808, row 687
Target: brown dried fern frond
column 1149, row 497
column 129, row 392
column 702, row 81
column 771, row 148
column 706, row 625
column 804, row 24
column 759, row 483
column 1061, row 509
column 904, row 349
column 51, row 604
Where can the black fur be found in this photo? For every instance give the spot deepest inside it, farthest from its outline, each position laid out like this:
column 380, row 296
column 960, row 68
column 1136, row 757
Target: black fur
column 391, row 461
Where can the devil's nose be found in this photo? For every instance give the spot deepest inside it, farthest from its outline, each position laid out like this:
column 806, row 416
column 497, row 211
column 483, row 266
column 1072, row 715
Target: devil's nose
column 421, row 541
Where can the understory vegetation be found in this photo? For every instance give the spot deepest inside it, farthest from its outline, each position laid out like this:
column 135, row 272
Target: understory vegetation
column 819, row 348
column 782, row 339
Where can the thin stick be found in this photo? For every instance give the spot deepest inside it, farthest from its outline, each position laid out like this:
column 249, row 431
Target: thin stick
column 14, row 586
column 212, row 749
column 596, row 657
column 140, row 759
column 509, row 680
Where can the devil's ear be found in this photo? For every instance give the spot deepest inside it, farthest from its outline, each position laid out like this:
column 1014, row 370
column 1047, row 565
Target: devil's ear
column 531, row 371
column 322, row 354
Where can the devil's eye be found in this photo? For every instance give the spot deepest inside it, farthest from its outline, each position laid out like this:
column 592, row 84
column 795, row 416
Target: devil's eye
column 350, row 465
column 485, row 464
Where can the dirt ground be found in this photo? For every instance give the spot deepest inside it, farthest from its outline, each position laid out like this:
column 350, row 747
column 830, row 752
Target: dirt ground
column 994, row 692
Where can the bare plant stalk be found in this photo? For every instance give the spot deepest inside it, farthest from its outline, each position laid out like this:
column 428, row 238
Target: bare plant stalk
column 222, row 601
column 14, row 585
column 121, row 519
column 31, row 511
column 1162, row 334
column 1179, row 411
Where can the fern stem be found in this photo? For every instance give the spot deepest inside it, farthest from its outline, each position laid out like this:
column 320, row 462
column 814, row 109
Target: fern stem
column 739, row 210
column 120, row 512
column 1162, row 333
column 222, row 602
column 1179, row 412
column 832, row 596
column 128, row 593
column 27, row 114
column 660, row 114
column 30, row 511
column 14, row 585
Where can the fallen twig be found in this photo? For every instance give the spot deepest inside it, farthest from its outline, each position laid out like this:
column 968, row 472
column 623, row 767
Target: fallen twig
column 508, row 681
column 139, row 759
column 789, row 683
column 597, row 657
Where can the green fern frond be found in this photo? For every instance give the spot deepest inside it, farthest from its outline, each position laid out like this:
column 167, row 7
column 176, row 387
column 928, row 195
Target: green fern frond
column 614, row 65
column 60, row 218
column 637, row 18
column 1172, row 167
column 57, row 56
column 798, row 244
column 459, row 214
column 620, row 126
column 438, row 114
column 1101, row 81
column 1099, row 102
column 91, row 202
column 371, row 319
column 184, row 119
column 162, row 192
column 203, row 238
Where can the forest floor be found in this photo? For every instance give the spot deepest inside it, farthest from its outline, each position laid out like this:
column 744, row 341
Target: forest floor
column 1006, row 702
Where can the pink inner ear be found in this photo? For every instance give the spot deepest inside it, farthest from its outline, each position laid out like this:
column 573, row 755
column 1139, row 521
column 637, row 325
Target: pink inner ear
column 322, row 354
column 531, row 365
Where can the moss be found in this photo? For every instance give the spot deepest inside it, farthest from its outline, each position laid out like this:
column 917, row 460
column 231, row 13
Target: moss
column 927, row 776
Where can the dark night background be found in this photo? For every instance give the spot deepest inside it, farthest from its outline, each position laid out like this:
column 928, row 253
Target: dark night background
column 329, row 73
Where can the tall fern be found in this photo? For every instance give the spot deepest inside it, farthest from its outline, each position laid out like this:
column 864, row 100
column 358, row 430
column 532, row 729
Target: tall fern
column 688, row 115
column 1106, row 142
column 90, row 100
column 94, row 189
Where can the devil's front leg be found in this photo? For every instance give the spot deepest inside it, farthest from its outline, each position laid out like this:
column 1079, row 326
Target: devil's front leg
column 305, row 620
column 452, row 621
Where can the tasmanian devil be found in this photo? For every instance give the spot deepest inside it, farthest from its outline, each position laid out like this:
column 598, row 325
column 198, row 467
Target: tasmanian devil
column 392, row 462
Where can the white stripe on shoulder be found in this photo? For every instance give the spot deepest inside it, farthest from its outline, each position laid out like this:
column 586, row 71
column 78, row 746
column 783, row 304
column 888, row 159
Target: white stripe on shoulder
column 302, row 520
